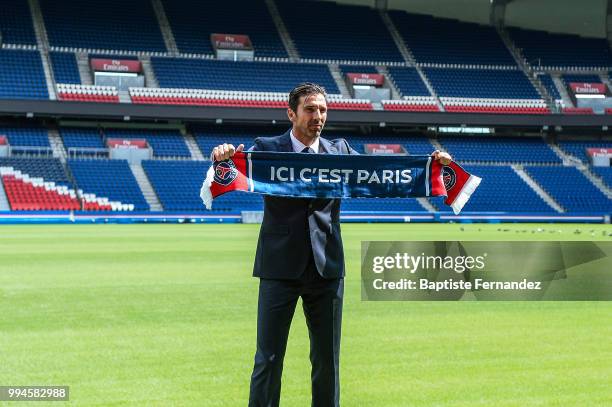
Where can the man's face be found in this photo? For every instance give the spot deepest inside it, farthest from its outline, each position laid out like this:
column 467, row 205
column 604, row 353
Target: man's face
column 310, row 117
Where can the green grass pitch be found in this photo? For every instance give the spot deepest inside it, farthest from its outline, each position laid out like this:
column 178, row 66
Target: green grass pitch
column 164, row 315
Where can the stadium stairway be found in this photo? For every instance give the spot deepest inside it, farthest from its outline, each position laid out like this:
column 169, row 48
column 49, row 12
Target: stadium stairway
column 57, row 145
column 536, row 188
column 290, row 47
column 84, row 69
column 523, row 65
column 334, row 69
column 164, row 25
column 146, row 188
column 192, row 145
column 567, row 101
column 4, row 203
column 596, row 180
column 42, row 41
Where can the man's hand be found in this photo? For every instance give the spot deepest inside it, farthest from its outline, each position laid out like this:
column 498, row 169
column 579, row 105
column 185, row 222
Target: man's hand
column 444, row 158
column 225, row 151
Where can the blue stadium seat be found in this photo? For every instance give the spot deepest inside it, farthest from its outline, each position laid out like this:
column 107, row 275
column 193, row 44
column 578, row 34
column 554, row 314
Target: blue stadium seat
column 580, row 78
column 16, row 23
column 445, row 41
column 605, row 173
column 210, row 136
column 192, row 24
column 245, row 76
column 381, row 205
column 26, row 136
column 549, row 84
column 112, row 179
column 481, row 83
column 577, row 148
column 177, row 184
column 65, row 69
column 330, row 31
column 500, row 149
column 165, row 143
column 501, row 190
column 408, row 81
column 108, row 25
column 78, row 140
column 561, row 50
column 357, row 69
column 571, row 189
column 22, row 75
column 50, row 169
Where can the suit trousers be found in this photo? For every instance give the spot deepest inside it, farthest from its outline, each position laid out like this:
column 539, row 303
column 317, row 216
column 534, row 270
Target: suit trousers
column 322, row 304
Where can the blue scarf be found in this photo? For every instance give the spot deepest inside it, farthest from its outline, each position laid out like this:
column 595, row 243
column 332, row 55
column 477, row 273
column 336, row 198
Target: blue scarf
column 338, row 176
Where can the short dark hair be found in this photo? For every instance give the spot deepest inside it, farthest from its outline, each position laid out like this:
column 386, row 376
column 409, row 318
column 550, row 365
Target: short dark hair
column 304, row 89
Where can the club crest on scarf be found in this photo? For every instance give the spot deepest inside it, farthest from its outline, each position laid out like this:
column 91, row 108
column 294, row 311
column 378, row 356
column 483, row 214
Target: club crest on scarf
column 225, row 172
column 449, row 177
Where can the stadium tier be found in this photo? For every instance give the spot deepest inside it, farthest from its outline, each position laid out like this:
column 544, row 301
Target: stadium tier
column 605, row 173
column 357, row 69
column 339, row 32
column 85, row 25
column 65, row 68
column 22, row 75
column 580, row 78
column 408, row 82
column 381, row 205
column 239, row 76
column 16, row 23
column 481, row 83
column 450, row 42
column 501, row 190
column 559, row 51
column 492, row 150
column 116, row 184
column 82, row 141
column 192, row 25
column 49, row 169
column 575, row 193
column 177, row 185
column 578, row 149
column 164, row 143
column 549, row 84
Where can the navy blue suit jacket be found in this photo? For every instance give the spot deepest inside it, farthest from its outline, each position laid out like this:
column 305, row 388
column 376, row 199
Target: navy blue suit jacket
column 293, row 229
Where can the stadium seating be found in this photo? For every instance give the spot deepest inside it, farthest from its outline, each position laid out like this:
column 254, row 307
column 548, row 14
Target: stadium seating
column 408, row 82
column 357, row 69
column 16, row 23
column 578, row 110
column 108, row 25
column 177, row 185
column 83, row 141
column 501, row 190
column 338, row 32
column 25, row 194
column 22, row 75
column 49, row 169
column 481, row 83
column 117, row 184
column 446, row 42
column 378, row 205
column 605, row 173
column 165, row 143
column 65, row 69
column 192, row 25
column 28, row 140
column 239, row 76
column 500, row 149
column 209, row 136
column 412, row 104
column 580, row 78
column 498, row 106
column 577, row 148
column 571, row 189
column 549, row 84
column 87, row 93
column 561, row 51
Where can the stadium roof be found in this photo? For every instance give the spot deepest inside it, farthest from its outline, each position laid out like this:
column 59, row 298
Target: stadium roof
column 586, row 18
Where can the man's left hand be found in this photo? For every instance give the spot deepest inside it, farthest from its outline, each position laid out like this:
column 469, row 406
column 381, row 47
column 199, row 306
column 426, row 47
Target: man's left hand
column 444, row 157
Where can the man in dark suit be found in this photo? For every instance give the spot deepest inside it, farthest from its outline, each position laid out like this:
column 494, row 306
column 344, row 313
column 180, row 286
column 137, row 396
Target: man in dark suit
column 299, row 254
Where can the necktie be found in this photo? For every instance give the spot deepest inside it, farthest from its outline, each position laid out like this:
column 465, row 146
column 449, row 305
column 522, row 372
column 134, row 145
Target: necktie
column 307, row 150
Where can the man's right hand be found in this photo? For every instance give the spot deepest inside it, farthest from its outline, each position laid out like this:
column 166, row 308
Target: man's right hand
column 225, row 151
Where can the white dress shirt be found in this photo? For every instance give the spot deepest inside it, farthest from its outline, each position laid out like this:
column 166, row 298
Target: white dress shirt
column 298, row 146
